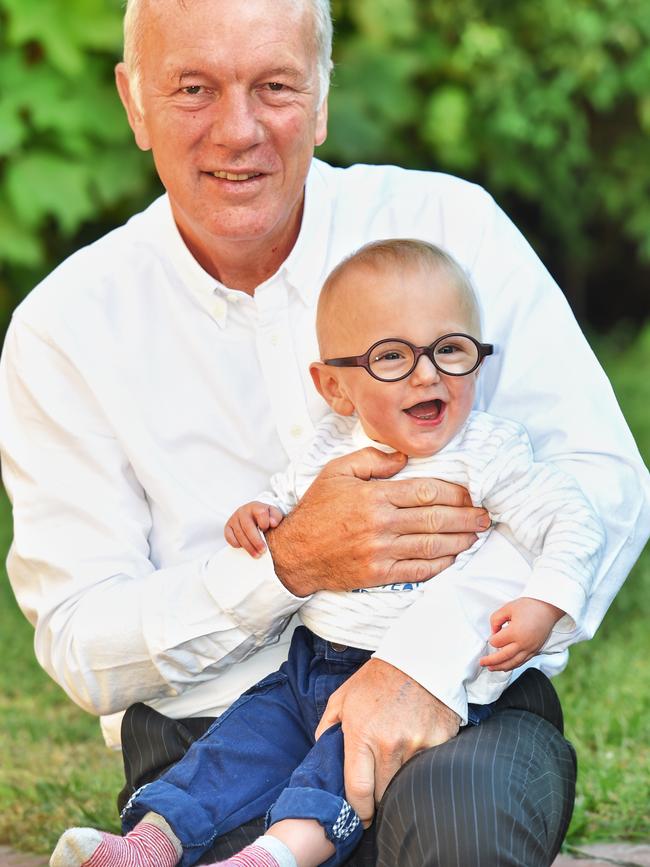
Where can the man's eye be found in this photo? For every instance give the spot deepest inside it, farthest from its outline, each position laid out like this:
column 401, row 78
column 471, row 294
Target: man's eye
column 276, row 86
column 192, row 89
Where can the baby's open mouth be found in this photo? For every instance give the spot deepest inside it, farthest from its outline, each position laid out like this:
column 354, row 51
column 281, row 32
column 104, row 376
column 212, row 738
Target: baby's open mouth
column 428, row 410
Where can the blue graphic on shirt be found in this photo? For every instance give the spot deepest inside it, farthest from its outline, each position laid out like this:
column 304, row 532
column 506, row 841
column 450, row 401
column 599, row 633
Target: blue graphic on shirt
column 390, row 588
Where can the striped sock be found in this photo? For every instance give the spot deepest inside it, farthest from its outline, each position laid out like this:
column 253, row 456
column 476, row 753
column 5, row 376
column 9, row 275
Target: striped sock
column 151, row 843
column 264, row 852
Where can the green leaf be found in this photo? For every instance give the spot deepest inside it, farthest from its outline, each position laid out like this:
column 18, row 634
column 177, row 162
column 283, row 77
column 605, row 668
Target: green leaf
column 42, row 184
column 119, row 174
column 64, row 28
column 46, row 24
column 446, row 126
column 18, row 246
column 12, row 131
column 386, row 20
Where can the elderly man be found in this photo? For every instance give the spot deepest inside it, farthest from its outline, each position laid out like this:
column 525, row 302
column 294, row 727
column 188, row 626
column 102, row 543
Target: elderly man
column 157, row 378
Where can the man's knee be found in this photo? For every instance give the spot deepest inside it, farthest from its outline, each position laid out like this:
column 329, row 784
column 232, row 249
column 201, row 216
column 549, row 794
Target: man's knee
column 501, row 793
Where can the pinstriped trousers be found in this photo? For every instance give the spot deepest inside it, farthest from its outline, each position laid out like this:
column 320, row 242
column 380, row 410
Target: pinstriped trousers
column 498, row 795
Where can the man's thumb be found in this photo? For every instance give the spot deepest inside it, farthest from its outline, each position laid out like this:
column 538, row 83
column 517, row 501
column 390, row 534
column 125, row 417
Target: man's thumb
column 330, row 717
column 366, row 464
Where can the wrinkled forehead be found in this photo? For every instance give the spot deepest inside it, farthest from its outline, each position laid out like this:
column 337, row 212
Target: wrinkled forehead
column 142, row 12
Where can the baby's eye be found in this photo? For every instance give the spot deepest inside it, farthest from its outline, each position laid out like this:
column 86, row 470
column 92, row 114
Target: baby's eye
column 393, row 355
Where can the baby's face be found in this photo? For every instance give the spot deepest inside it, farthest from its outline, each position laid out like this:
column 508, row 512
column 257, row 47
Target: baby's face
column 420, row 414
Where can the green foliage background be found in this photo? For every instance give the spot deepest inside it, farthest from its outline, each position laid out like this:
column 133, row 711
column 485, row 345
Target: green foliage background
column 545, row 102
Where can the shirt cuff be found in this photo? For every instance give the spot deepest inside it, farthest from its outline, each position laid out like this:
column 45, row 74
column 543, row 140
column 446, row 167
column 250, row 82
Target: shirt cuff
column 248, row 591
column 436, row 644
column 558, row 589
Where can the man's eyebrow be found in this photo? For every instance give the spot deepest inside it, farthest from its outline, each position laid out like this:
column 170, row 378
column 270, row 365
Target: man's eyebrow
column 286, row 71
column 190, row 73
column 274, row 72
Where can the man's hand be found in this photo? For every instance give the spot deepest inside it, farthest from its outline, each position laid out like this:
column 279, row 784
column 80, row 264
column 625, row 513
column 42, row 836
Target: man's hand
column 386, row 718
column 519, row 629
column 347, row 532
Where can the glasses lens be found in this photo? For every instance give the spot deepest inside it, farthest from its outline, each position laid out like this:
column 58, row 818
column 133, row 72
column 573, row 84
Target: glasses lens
column 391, row 359
column 456, row 354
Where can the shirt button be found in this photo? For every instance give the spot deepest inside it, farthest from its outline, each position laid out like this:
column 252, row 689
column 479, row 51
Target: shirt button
column 218, row 308
column 274, row 339
column 296, row 431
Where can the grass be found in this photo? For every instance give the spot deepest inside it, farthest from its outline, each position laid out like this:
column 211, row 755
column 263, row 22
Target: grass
column 605, row 690
column 56, row 772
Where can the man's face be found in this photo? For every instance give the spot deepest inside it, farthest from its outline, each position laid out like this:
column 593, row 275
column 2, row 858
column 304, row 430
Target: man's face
column 229, row 100
column 420, row 414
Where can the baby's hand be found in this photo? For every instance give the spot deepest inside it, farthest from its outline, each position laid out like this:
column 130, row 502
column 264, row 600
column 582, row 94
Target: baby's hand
column 244, row 527
column 519, row 629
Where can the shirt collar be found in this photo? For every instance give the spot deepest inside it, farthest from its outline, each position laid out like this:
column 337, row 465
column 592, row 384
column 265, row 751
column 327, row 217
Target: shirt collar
column 191, row 273
column 361, row 440
column 303, row 268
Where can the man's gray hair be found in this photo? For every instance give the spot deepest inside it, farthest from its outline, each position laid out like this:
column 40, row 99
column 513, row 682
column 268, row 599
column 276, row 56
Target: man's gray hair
column 133, row 27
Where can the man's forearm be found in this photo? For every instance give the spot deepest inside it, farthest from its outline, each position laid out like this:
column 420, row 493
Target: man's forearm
column 440, row 638
column 138, row 639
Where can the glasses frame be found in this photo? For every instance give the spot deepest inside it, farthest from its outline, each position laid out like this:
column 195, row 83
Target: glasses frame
column 483, row 349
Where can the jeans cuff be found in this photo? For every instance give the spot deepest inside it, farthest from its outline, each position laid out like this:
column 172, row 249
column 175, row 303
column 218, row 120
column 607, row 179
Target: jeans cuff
column 195, row 834
column 340, row 822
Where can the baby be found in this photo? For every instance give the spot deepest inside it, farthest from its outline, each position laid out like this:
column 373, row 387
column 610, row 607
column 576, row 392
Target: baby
column 410, row 313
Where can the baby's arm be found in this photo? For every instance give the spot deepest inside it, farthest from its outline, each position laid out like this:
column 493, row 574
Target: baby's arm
column 245, row 526
column 549, row 516
column 519, row 630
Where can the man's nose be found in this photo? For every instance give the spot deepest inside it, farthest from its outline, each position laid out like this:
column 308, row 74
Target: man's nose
column 236, row 125
column 425, row 371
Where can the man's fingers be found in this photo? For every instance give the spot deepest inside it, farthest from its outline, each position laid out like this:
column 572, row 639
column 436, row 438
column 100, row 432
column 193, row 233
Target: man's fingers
column 329, row 718
column 408, row 493
column 386, row 766
column 359, row 780
column 415, row 571
column 430, row 546
column 440, row 519
column 368, row 463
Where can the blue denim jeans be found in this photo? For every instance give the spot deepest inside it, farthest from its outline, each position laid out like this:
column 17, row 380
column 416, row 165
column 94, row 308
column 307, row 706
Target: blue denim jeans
column 260, row 757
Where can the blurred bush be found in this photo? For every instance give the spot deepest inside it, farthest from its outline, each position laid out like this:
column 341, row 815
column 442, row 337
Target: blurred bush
column 546, row 103
column 68, row 167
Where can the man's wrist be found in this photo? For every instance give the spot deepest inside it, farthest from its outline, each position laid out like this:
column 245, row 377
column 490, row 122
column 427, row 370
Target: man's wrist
column 291, row 572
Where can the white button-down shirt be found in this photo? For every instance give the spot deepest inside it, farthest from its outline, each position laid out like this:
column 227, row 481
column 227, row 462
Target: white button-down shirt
column 141, row 402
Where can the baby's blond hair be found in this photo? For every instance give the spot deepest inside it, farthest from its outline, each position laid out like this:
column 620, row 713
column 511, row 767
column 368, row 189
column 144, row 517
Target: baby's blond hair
column 405, row 252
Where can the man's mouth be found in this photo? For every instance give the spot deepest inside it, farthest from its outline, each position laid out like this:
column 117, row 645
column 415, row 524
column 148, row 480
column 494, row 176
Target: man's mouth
column 428, row 410
column 236, row 176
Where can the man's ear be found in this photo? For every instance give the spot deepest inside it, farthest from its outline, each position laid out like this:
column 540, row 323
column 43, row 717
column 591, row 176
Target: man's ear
column 133, row 111
column 320, row 133
column 328, row 386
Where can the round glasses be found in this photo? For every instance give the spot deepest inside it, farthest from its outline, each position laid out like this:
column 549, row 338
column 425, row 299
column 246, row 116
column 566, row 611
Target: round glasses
column 393, row 359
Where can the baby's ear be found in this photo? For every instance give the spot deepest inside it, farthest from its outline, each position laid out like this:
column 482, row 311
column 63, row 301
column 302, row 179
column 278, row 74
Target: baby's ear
column 328, row 386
